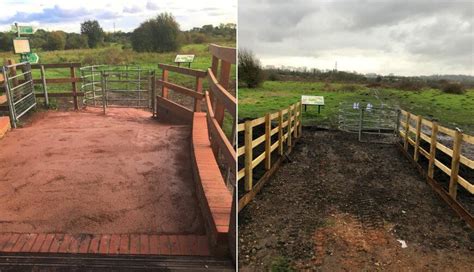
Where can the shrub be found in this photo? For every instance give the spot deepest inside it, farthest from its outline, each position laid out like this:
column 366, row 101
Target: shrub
column 454, row 88
column 199, row 38
column 55, row 40
column 349, row 88
column 273, row 76
column 250, row 70
column 161, row 34
column 76, row 41
column 409, row 85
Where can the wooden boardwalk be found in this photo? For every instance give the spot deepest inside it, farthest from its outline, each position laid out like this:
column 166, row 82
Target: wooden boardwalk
column 112, row 244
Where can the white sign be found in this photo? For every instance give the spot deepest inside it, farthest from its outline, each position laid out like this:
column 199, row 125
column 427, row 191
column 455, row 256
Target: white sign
column 184, row 58
column 312, row 100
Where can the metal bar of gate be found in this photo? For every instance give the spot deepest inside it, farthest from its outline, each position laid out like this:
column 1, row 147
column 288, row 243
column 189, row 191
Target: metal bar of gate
column 6, row 86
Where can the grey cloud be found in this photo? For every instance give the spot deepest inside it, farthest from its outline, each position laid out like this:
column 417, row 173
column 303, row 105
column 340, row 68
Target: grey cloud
column 152, row 6
column 132, row 9
column 439, row 31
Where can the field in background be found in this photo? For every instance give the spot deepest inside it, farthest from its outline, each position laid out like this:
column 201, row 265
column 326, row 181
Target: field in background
column 451, row 110
column 115, row 55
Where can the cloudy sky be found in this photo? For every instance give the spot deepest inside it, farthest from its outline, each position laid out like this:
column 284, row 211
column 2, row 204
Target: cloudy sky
column 126, row 14
column 392, row 36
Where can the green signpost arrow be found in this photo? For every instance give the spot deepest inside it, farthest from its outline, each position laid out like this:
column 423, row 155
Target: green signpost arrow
column 25, row 30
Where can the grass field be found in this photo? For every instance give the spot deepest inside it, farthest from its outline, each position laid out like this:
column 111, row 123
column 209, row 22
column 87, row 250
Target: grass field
column 115, row 55
column 450, row 109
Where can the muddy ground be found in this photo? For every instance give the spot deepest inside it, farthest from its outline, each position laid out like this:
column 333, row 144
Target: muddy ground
column 83, row 172
column 341, row 205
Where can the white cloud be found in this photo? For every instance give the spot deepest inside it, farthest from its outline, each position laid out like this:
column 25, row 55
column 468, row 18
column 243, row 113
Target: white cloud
column 67, row 15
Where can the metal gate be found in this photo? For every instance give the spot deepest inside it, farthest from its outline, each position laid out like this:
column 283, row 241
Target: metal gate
column 117, row 86
column 19, row 88
column 373, row 123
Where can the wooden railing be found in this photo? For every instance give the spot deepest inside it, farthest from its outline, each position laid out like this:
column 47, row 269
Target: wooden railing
column 219, row 101
column 412, row 134
column 164, row 101
column 287, row 125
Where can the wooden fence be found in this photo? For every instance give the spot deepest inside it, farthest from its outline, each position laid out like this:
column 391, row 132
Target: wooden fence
column 164, row 104
column 287, row 125
column 219, row 101
column 412, row 134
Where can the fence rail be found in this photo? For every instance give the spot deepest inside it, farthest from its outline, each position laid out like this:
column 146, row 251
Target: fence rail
column 412, row 133
column 287, row 124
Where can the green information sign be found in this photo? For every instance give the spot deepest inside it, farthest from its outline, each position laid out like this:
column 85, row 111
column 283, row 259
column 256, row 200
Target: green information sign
column 25, row 30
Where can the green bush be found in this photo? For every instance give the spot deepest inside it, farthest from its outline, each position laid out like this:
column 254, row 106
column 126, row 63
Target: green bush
column 161, row 34
column 454, row 88
column 249, row 69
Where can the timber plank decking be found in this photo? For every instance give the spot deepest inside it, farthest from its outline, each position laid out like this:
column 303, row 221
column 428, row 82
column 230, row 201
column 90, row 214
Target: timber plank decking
column 125, row 244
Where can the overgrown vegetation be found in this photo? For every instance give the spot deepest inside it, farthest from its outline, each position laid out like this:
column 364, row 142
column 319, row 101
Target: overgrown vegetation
column 250, row 71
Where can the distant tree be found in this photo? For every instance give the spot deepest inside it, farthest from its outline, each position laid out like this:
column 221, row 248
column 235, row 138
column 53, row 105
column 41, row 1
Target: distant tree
column 76, row 41
column 55, row 40
column 6, row 41
column 160, row 34
column 454, row 88
column 94, row 33
column 38, row 40
column 250, row 70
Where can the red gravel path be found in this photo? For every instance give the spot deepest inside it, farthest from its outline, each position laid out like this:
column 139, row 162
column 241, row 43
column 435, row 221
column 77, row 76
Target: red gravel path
column 83, row 172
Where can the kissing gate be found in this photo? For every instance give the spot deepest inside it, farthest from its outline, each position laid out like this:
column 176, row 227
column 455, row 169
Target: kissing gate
column 19, row 90
column 117, row 86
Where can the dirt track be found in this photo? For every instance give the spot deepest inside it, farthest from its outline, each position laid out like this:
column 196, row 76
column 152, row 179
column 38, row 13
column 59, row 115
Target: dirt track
column 341, row 205
column 82, row 172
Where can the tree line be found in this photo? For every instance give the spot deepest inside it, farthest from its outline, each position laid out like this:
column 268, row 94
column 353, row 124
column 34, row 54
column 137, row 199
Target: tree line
column 159, row 34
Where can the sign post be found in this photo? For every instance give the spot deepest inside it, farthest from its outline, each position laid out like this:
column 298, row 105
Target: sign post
column 21, row 45
column 312, row 100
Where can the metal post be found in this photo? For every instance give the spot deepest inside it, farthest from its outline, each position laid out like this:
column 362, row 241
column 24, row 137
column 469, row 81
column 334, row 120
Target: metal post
column 93, row 86
column 104, row 86
column 139, row 95
column 361, row 123
column 9, row 97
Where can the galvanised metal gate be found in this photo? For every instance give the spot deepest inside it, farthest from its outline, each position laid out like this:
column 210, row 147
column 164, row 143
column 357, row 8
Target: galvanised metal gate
column 19, row 88
column 117, row 86
column 378, row 123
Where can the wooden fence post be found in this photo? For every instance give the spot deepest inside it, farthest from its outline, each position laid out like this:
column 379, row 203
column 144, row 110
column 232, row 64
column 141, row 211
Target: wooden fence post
column 280, row 132
column 164, row 90
column 288, row 130
column 74, row 87
column 433, row 142
column 45, row 88
column 248, row 156
column 197, row 102
column 153, row 93
column 407, row 130
column 295, row 123
column 453, row 182
column 268, row 142
column 416, row 154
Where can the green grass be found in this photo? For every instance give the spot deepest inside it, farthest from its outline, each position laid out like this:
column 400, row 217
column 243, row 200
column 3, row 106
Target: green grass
column 115, row 55
column 450, row 109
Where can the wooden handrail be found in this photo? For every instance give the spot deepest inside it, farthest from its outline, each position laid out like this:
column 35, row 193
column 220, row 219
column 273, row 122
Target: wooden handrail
column 222, row 94
column 227, row 54
column 218, row 134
